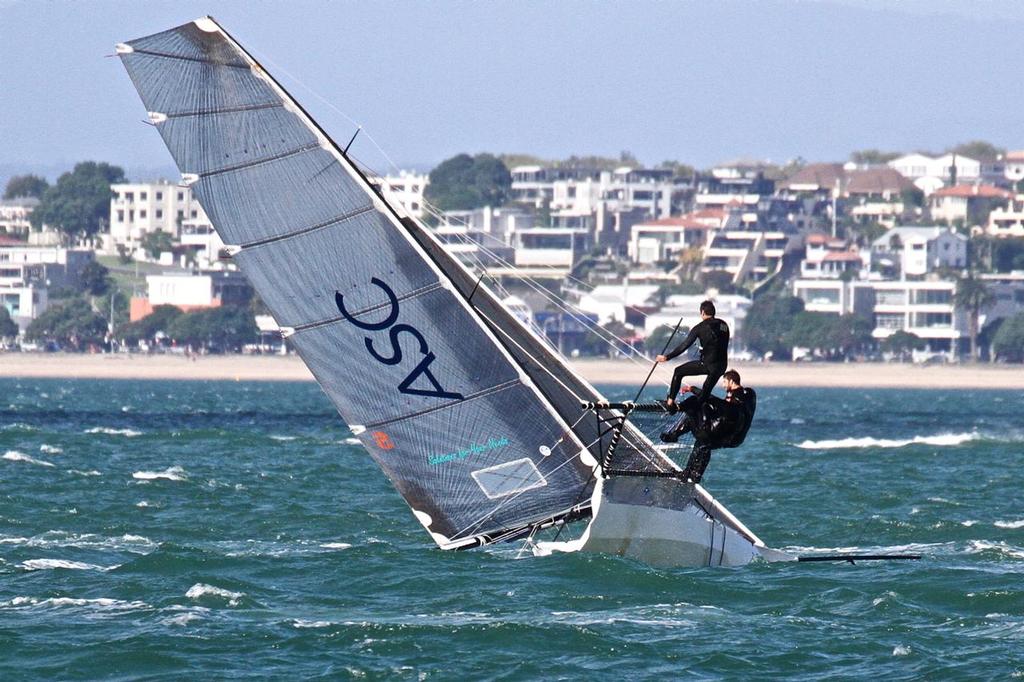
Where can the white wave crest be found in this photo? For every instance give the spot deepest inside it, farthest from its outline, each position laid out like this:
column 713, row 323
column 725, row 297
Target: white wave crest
column 200, row 590
column 351, row 441
column 945, row 440
column 284, row 439
column 299, row 623
column 15, row 456
column 1009, row 524
column 174, row 473
column 50, row 564
column 901, row 650
column 335, row 545
column 100, row 604
column 50, row 449
column 978, row 546
column 127, row 433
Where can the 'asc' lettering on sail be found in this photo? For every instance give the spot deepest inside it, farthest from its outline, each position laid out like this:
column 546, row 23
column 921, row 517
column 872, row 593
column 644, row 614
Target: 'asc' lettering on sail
column 422, row 368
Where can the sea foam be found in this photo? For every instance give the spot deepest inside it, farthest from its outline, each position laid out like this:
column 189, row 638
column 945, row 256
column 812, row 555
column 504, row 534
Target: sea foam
column 175, row 473
column 1009, row 524
column 127, row 433
column 200, row 590
column 15, row 456
column 49, row 564
column 945, row 440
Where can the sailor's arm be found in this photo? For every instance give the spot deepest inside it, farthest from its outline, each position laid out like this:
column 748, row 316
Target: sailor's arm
column 682, row 347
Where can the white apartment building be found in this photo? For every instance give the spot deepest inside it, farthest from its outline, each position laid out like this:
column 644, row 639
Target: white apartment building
column 930, row 173
column 746, row 255
column 662, row 240
column 191, row 291
column 916, row 251
column 198, row 235
column 24, row 302
column 406, row 189
column 136, row 209
column 1007, row 221
column 553, row 249
column 14, row 215
column 45, row 266
column 610, row 301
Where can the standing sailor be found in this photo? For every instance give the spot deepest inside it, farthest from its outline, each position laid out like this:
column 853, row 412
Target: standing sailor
column 714, row 346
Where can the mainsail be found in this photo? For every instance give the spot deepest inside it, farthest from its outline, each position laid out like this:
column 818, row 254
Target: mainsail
column 468, row 438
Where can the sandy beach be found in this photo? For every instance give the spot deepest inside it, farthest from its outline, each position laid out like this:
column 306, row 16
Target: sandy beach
column 622, row 372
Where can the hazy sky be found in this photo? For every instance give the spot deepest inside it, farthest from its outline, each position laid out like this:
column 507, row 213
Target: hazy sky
column 700, row 82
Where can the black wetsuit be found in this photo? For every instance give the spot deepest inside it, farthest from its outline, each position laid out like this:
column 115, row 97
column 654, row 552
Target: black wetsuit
column 713, row 334
column 717, row 424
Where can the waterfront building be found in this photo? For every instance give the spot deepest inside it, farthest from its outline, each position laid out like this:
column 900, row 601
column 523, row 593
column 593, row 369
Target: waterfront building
column 137, row 209
column 191, row 291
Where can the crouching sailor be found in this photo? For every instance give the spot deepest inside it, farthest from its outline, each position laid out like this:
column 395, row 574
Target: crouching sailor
column 714, row 422
column 713, row 335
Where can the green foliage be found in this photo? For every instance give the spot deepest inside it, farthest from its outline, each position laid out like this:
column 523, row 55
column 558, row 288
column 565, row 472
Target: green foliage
column 972, row 295
column 513, row 160
column 160, row 320
column 79, row 204
column 1006, row 254
column 768, row 322
column 222, row 328
column 8, row 327
column 834, row 336
column 73, row 324
column 722, row 281
column 156, row 242
column 977, row 149
column 94, row 279
column 124, row 254
column 25, row 186
column 655, row 342
column 912, row 196
column 678, row 168
column 901, row 343
column 1008, row 343
column 873, row 157
column 466, row 182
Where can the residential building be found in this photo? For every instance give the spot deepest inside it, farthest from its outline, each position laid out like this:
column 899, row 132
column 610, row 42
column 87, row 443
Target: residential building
column 14, row 215
column 202, row 244
column 137, row 209
column 406, row 188
column 45, row 266
column 1014, row 168
column 616, row 301
column 1007, row 221
column 915, row 251
column 192, row 291
column 829, row 258
column 24, row 301
column 930, row 173
column 551, row 251
column 967, row 204
column 746, row 255
column 662, row 240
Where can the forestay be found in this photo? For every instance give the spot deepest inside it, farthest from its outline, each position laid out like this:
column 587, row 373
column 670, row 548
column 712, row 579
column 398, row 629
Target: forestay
column 435, row 396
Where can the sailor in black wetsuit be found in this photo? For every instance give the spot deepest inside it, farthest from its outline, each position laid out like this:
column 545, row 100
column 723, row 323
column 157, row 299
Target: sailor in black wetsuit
column 714, row 347
column 717, row 424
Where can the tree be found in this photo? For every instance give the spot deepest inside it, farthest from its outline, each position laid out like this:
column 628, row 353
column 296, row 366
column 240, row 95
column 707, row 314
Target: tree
column 156, row 242
column 160, row 320
column 977, row 149
column 901, row 343
column 720, row 280
column 678, row 168
column 8, row 327
column 834, row 336
column 94, row 279
column 25, row 186
column 465, row 182
column 79, row 204
column 767, row 323
column 73, row 324
column 1008, row 343
column 655, row 342
column 222, row 328
column 873, row 157
column 972, row 296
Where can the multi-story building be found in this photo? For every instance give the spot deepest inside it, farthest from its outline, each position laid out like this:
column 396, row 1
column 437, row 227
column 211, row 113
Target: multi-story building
column 14, row 215
column 915, row 251
column 653, row 241
column 967, row 204
column 203, row 244
column 829, row 258
column 137, row 209
column 45, row 266
column 1007, row 221
column 746, row 255
column 930, row 173
column 406, row 188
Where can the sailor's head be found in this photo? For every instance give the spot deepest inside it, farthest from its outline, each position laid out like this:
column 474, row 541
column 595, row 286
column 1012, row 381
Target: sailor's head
column 731, row 380
column 707, row 309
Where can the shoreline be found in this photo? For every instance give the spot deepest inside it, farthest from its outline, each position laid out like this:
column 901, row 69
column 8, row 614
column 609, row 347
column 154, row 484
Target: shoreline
column 597, row 371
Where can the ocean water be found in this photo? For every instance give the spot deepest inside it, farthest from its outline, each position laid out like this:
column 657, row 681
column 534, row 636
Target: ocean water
column 161, row 530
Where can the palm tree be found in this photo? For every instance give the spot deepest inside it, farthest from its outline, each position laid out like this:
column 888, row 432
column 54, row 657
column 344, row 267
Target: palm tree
column 972, row 296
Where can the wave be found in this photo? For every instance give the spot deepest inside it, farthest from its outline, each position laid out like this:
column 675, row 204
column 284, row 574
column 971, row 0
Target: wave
column 15, row 456
column 1009, row 524
column 980, row 546
column 127, row 433
column 50, row 449
column 50, row 564
column 59, row 538
column 335, row 545
column 174, row 473
column 79, row 472
column 299, row 623
column 946, row 440
column 284, row 439
column 100, row 604
column 200, row 590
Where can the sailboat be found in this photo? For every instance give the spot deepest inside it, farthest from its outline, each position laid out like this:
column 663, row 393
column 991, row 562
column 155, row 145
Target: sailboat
column 484, row 430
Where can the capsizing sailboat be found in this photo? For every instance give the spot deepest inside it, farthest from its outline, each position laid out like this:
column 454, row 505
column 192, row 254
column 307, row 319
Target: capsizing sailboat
column 482, row 428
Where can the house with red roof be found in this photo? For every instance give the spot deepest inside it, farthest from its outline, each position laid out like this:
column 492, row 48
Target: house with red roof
column 967, row 204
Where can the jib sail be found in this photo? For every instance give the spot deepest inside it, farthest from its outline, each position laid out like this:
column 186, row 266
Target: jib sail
column 467, row 437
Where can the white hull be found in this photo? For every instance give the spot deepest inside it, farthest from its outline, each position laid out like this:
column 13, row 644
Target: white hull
column 664, row 522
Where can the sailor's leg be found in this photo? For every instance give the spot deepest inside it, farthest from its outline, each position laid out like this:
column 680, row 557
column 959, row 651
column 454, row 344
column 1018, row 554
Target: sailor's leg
column 688, row 408
column 698, row 462
column 714, row 374
column 684, row 370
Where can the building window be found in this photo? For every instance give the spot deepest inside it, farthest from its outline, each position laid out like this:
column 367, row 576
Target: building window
column 142, row 214
column 142, row 196
column 889, row 321
column 159, row 213
column 181, row 214
column 129, row 196
column 194, row 214
column 181, row 196
column 159, row 196
column 120, row 216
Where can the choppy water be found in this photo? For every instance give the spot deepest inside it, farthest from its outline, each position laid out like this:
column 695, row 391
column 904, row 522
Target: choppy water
column 166, row 529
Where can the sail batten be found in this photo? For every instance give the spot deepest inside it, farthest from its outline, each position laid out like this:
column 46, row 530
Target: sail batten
column 452, row 418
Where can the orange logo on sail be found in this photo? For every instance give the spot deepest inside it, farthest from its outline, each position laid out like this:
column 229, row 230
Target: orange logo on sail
column 383, row 440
